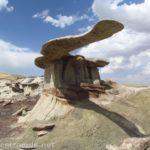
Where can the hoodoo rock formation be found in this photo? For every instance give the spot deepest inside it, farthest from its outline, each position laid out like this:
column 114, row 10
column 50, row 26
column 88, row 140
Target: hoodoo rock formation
column 69, row 77
column 76, row 109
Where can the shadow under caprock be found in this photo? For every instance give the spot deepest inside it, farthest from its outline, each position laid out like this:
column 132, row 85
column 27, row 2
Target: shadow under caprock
column 129, row 127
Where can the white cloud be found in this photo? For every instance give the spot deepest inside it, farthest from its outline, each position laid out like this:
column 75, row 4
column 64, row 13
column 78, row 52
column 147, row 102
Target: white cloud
column 13, row 58
column 141, row 60
column 126, row 51
column 4, row 5
column 129, row 50
column 60, row 21
column 146, row 69
column 116, row 63
column 86, row 29
column 134, row 16
column 42, row 14
column 125, row 43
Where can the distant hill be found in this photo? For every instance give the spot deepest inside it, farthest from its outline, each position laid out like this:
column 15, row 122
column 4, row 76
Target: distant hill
column 9, row 76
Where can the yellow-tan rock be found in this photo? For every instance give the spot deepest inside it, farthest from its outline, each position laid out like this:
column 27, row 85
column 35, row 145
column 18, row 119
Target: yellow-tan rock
column 57, row 48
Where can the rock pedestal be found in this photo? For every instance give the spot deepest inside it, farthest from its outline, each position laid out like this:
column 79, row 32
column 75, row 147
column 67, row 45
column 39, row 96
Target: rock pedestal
column 73, row 77
column 63, row 70
column 71, row 72
column 70, row 78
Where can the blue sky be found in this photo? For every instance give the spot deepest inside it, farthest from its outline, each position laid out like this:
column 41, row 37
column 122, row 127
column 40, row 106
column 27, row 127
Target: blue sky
column 20, row 28
column 26, row 24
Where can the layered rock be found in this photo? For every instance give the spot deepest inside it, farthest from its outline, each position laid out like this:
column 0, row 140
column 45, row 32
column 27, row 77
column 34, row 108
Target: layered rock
column 20, row 89
column 71, row 71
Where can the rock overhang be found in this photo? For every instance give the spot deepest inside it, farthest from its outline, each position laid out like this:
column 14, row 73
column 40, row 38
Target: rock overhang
column 42, row 61
column 59, row 48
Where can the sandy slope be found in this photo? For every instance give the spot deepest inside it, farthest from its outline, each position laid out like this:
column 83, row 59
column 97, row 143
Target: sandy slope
column 93, row 124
